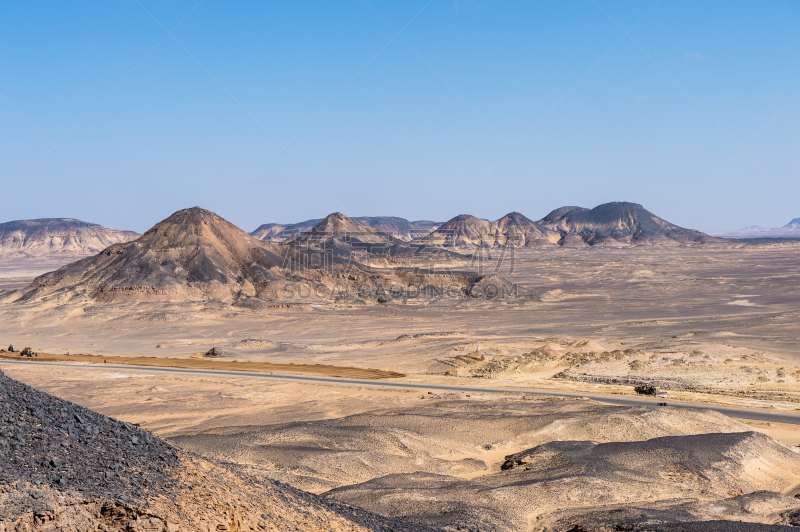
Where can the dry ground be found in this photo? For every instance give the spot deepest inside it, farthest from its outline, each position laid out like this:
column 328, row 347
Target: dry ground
column 704, row 323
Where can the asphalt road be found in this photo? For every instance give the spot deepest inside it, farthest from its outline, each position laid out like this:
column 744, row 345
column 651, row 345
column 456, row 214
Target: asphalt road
column 740, row 413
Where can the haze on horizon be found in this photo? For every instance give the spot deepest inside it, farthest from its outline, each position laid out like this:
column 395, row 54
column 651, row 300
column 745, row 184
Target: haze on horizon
column 122, row 113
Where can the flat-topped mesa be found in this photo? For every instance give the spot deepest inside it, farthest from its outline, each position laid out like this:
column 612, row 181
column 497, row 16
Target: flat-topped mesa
column 513, row 230
column 53, row 236
column 619, row 222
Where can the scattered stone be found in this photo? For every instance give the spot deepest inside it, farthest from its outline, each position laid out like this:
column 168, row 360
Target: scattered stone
column 216, row 352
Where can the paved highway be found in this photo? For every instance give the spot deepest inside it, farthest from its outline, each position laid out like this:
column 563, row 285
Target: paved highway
column 741, row 413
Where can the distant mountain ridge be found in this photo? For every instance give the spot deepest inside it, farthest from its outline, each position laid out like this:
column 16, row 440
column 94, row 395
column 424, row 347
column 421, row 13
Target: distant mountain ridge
column 47, row 236
column 790, row 230
column 196, row 255
column 616, row 223
column 391, row 225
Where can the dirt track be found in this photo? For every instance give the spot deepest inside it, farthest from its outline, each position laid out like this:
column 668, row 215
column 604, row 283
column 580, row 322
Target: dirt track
column 197, row 363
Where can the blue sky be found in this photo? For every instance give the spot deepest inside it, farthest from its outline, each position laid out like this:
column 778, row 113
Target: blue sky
column 283, row 111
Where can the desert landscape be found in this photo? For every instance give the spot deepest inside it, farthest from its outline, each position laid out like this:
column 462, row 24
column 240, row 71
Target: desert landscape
column 420, row 266
column 331, row 363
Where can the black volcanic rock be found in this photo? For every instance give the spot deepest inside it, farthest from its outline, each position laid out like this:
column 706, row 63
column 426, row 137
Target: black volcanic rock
column 64, row 467
column 47, row 442
column 619, row 222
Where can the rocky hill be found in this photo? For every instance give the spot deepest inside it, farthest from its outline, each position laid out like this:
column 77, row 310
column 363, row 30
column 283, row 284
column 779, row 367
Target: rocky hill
column 618, row 222
column 339, row 231
column 195, row 255
column 192, row 254
column 58, row 236
column 514, row 230
column 399, row 228
column 63, row 467
column 281, row 232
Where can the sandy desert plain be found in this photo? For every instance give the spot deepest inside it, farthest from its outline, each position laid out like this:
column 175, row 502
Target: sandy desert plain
column 713, row 324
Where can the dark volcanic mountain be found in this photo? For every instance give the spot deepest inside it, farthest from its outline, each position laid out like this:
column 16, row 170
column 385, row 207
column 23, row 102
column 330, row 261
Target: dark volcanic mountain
column 514, row 230
column 48, row 236
column 619, row 222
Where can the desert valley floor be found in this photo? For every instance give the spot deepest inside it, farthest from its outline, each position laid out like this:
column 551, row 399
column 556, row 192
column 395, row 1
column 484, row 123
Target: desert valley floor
column 713, row 324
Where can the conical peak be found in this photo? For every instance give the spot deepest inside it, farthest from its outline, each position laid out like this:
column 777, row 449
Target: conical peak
column 338, row 222
column 516, row 218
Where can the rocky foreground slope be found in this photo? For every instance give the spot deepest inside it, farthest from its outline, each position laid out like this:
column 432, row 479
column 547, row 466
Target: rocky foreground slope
column 67, row 468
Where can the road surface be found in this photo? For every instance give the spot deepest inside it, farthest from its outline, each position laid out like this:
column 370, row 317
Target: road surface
column 740, row 413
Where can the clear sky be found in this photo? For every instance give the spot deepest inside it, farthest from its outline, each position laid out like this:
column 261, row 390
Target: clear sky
column 280, row 111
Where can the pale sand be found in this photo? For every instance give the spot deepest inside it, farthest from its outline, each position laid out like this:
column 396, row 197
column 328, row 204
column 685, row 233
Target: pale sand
column 669, row 305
